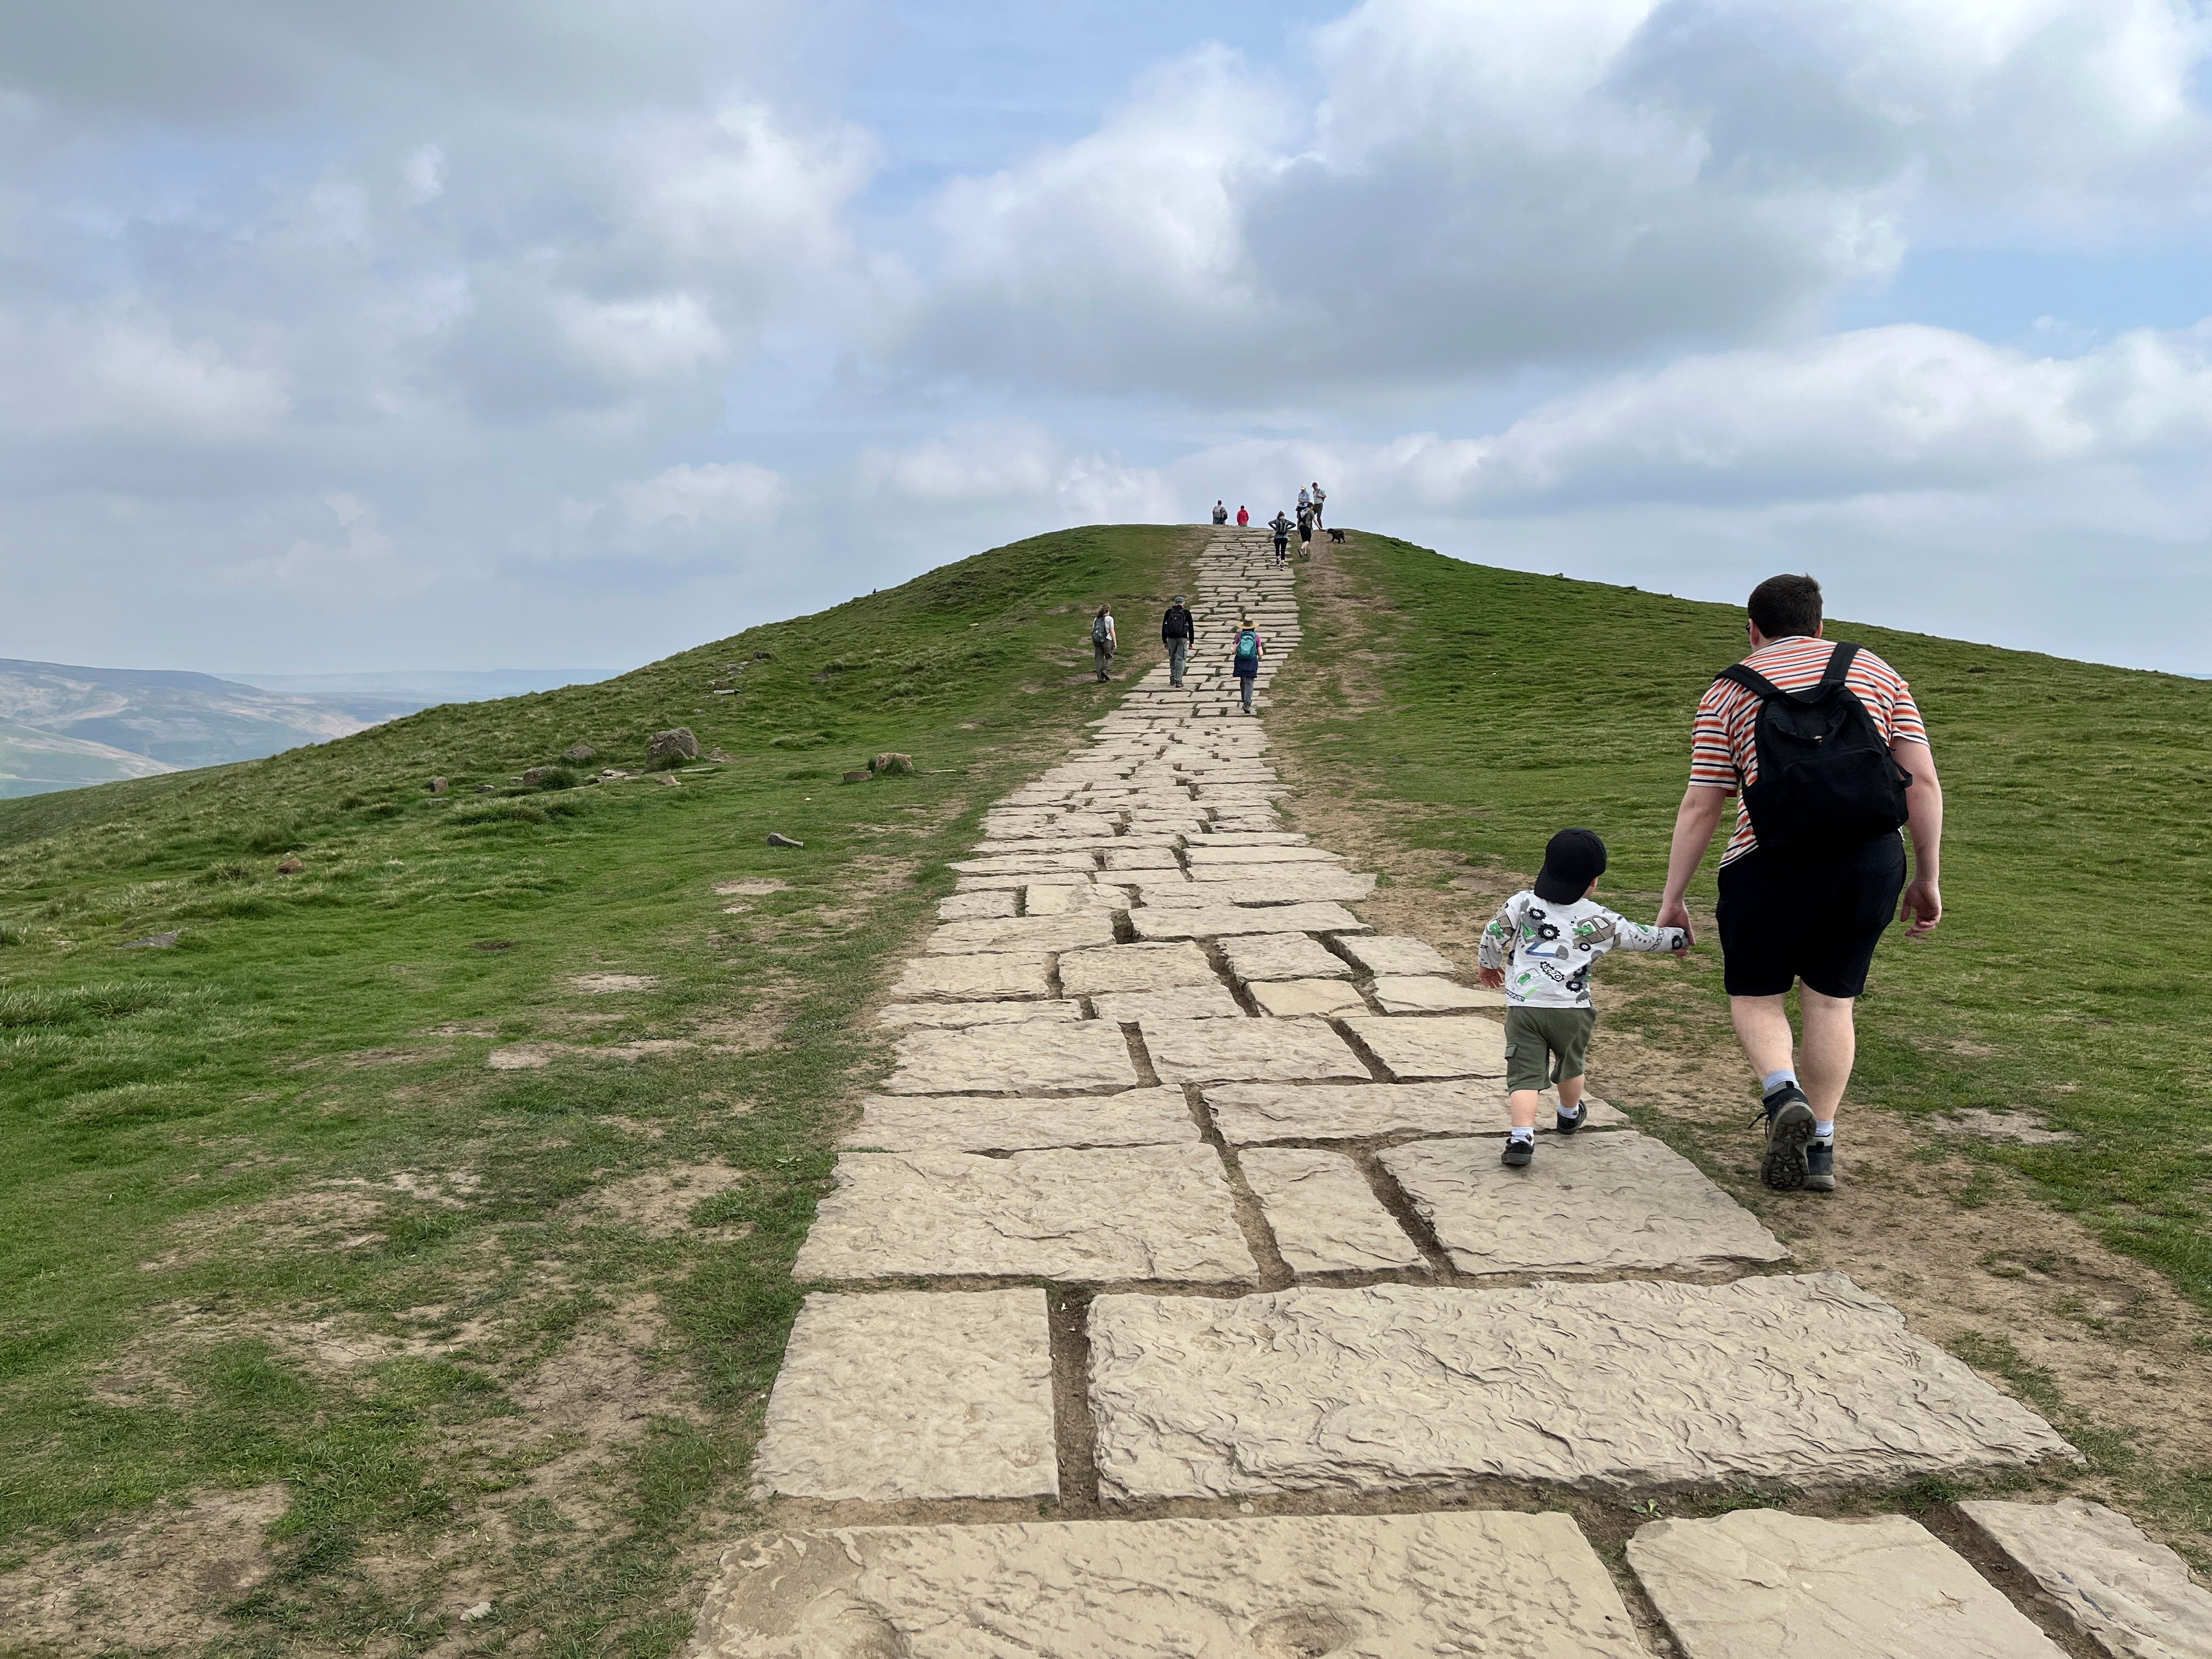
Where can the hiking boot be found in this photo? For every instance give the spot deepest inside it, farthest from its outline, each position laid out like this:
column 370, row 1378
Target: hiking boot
column 1571, row 1121
column 1519, row 1154
column 1789, row 1128
column 1820, row 1166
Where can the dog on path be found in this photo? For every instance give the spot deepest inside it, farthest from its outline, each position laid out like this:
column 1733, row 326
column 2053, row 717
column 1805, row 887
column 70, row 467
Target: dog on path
column 1336, row 535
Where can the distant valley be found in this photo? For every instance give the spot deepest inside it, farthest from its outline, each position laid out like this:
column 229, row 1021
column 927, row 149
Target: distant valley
column 64, row 726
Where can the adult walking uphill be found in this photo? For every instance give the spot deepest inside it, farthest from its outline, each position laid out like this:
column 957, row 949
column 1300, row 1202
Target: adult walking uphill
column 1825, row 749
column 1103, row 642
column 1244, row 660
column 1281, row 527
column 1178, row 632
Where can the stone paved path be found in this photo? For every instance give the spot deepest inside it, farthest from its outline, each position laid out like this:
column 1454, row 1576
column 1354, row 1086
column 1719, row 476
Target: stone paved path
column 1184, row 1186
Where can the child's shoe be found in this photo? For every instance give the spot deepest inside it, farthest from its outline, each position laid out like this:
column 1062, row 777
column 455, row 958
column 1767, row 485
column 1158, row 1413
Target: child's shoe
column 1519, row 1154
column 1571, row 1121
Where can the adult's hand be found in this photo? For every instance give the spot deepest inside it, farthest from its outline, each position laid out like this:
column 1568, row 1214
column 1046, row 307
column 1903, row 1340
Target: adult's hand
column 1494, row 978
column 1676, row 914
column 1922, row 905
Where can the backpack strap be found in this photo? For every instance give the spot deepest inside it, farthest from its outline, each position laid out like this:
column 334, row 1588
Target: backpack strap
column 1751, row 680
column 1839, row 664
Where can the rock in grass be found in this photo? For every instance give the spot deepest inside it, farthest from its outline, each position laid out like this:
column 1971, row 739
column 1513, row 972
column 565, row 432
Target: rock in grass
column 577, row 753
column 533, row 774
column 892, row 765
column 291, row 866
column 775, row 840
column 672, row 745
column 154, row 941
column 487, row 788
column 437, row 786
column 857, row 777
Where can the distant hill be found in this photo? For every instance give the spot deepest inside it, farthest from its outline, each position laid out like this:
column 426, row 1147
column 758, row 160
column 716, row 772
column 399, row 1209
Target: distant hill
column 63, row 726
column 421, row 688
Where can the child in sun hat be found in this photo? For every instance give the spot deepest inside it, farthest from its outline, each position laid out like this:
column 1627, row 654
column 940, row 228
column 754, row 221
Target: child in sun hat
column 1541, row 948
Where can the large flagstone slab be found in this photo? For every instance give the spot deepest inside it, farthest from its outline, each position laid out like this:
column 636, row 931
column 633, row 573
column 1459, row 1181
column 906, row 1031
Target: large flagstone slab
column 1392, row 953
column 909, row 1395
column 1173, row 1002
column 1205, row 853
column 1028, row 935
column 902, row 1015
column 1034, row 1058
column 1206, row 1050
column 1249, row 1112
column 1502, row 1584
column 1302, row 886
column 963, row 1123
column 1217, row 921
column 1414, row 1047
column 990, row 976
column 1135, row 1212
column 977, row 906
column 1133, row 967
column 1325, row 1217
column 1758, row 1583
column 1291, row 998
column 2133, row 1597
column 1590, row 1203
column 1397, row 1387
column 1431, row 994
column 1024, row 863
column 1281, row 956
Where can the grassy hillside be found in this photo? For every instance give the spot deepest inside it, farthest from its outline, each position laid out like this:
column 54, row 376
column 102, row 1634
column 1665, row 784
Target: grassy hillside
column 2068, row 979
column 269, row 1213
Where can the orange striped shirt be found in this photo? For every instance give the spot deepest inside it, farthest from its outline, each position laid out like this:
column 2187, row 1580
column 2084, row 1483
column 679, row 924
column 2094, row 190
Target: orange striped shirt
column 1724, row 749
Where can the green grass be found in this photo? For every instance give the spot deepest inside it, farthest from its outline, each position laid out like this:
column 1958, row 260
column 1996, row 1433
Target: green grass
column 2069, row 978
column 285, row 1127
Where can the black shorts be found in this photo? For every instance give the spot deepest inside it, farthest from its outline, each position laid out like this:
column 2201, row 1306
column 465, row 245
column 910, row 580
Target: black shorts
column 1815, row 918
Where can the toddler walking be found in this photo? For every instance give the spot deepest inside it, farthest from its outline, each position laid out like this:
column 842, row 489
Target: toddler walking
column 1541, row 947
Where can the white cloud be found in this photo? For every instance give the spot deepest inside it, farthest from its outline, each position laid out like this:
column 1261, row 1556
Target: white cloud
column 641, row 339
column 424, row 175
column 126, row 371
column 717, row 493
column 1018, row 463
column 365, row 565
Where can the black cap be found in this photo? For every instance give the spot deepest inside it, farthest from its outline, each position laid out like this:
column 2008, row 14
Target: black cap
column 1573, row 859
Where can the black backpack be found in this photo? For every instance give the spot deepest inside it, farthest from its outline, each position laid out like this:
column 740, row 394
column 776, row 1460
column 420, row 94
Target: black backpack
column 1826, row 780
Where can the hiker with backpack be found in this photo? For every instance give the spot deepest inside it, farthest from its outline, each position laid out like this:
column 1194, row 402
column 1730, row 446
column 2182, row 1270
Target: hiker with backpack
column 1825, row 750
column 1178, row 632
column 1220, row 514
column 1281, row 527
column 1305, row 532
column 1244, row 658
column 1103, row 643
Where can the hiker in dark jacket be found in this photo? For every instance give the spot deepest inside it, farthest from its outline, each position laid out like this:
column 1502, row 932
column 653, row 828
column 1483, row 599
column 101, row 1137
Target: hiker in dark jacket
column 1178, row 634
column 1281, row 527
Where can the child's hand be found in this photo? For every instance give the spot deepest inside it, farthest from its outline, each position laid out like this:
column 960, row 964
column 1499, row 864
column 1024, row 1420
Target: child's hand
column 1493, row 978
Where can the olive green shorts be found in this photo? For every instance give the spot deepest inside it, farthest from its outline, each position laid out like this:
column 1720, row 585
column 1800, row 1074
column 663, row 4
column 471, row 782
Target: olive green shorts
column 1543, row 1045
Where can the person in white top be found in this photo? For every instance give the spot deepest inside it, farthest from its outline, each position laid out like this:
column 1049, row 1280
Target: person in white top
column 1319, row 496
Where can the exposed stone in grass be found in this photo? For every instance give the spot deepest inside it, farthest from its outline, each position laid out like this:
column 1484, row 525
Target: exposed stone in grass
column 676, row 743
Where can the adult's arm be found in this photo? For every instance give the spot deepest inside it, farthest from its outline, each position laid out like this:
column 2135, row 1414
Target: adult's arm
column 1695, row 820
column 1922, row 905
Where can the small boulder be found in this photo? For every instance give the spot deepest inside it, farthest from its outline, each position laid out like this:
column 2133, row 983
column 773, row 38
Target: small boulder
column 533, row 774
column 577, row 753
column 674, row 745
column 487, row 788
column 673, row 783
column 291, row 866
column 775, row 840
column 892, row 765
column 437, row 786
column 857, row 777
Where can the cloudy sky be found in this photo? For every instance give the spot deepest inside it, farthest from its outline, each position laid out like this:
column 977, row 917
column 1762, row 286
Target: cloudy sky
column 559, row 332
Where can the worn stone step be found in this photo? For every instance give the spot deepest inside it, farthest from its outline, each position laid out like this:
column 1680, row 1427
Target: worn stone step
column 1323, row 1214
column 1248, row 1113
column 1396, row 1387
column 1608, row 1203
column 1040, row 1057
column 1120, row 1213
column 1761, row 1583
column 902, row 1395
column 1414, row 1047
column 1502, row 1584
column 1207, row 1050
column 2134, row 1598
column 964, row 1123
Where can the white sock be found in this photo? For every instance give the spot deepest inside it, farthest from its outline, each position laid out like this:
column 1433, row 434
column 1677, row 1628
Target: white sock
column 1524, row 1134
column 1825, row 1131
column 1774, row 1080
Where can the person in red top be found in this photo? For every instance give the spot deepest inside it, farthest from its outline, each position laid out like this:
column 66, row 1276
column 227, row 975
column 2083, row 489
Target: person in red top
column 1808, row 917
column 1242, row 517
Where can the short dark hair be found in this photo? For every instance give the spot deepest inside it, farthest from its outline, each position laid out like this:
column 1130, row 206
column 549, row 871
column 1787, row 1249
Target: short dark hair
column 1781, row 606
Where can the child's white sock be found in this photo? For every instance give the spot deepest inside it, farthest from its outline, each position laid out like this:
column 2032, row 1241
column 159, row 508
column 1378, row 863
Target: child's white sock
column 1774, row 1080
column 1825, row 1131
column 1524, row 1134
